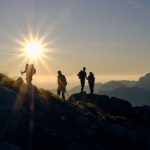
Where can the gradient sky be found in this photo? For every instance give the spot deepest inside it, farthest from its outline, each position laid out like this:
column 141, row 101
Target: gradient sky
column 109, row 37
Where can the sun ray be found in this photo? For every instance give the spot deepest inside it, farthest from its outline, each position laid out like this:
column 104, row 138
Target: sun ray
column 33, row 48
column 46, row 66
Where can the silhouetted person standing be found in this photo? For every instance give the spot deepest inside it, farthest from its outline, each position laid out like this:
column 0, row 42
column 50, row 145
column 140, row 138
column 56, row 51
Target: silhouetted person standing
column 30, row 71
column 91, row 81
column 62, row 83
column 82, row 76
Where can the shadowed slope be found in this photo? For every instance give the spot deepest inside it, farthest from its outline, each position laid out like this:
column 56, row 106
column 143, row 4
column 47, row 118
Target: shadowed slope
column 33, row 118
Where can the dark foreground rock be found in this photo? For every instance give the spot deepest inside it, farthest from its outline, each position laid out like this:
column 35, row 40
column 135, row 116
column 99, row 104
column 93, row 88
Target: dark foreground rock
column 108, row 104
column 32, row 118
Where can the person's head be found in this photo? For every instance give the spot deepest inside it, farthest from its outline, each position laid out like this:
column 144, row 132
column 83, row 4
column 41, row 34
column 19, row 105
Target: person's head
column 91, row 73
column 59, row 72
column 84, row 68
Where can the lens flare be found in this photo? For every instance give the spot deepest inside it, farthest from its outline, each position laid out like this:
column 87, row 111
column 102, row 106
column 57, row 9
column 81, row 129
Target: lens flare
column 33, row 49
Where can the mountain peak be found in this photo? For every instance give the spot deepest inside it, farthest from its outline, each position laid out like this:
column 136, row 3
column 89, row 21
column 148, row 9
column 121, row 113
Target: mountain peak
column 144, row 82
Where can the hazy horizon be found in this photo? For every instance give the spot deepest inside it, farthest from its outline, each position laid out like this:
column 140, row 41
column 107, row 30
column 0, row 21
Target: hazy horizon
column 50, row 82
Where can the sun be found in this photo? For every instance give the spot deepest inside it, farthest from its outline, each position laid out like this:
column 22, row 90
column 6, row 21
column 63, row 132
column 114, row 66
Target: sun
column 33, row 49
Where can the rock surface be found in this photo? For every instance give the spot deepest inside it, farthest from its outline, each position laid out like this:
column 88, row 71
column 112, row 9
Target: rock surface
column 32, row 118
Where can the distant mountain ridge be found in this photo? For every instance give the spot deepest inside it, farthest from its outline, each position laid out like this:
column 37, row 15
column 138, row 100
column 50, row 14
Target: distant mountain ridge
column 144, row 82
column 137, row 92
column 108, row 86
column 137, row 96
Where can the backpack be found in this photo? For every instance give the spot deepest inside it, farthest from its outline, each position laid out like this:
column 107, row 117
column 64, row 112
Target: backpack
column 82, row 75
column 33, row 70
column 63, row 80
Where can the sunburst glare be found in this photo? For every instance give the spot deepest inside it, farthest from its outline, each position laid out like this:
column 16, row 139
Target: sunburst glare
column 33, row 49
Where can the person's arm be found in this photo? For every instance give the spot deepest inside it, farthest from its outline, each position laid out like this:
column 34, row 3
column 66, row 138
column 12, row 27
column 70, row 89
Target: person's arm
column 86, row 76
column 22, row 72
column 58, row 80
column 66, row 81
column 26, row 67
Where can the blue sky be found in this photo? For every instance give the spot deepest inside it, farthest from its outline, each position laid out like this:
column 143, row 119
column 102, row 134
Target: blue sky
column 110, row 37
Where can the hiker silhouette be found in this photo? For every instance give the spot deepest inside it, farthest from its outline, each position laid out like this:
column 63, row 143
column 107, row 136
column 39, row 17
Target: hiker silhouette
column 82, row 76
column 62, row 83
column 91, row 82
column 30, row 71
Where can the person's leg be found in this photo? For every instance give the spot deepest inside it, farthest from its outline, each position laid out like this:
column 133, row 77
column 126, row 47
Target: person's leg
column 90, row 86
column 82, row 85
column 30, row 80
column 27, row 80
column 63, row 93
column 93, row 88
column 58, row 91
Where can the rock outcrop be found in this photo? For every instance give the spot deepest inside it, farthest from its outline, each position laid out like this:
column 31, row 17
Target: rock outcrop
column 108, row 104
